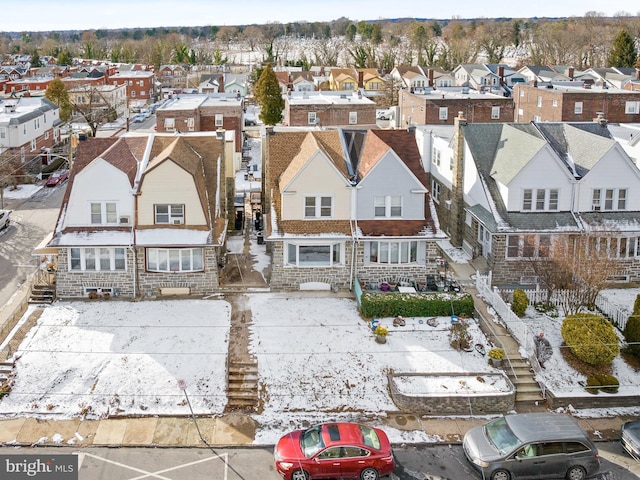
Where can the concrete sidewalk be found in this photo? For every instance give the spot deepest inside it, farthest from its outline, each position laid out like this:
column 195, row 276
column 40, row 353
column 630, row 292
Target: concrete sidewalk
column 228, row 430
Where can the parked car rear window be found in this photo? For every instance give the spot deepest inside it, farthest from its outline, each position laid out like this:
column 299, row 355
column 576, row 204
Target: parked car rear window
column 370, row 437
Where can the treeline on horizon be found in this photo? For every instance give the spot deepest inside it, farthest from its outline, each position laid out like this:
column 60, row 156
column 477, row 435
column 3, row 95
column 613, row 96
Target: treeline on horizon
column 579, row 41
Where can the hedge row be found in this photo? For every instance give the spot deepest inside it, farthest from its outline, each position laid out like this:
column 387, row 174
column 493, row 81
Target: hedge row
column 415, row 304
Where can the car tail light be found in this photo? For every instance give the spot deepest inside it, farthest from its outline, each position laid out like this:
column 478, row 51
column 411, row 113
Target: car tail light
column 388, row 459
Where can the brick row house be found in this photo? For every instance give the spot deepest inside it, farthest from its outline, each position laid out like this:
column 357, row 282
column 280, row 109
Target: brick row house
column 141, row 86
column 575, row 102
column 328, row 108
column 508, row 192
column 345, row 203
column 142, row 215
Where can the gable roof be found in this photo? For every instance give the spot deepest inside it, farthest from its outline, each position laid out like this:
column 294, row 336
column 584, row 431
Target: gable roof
column 500, row 151
column 403, row 143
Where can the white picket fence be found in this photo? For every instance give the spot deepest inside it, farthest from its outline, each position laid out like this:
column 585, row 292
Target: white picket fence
column 518, row 328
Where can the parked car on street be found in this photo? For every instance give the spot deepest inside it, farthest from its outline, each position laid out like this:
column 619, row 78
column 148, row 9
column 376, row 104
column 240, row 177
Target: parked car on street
column 630, row 438
column 334, row 450
column 531, row 445
column 4, row 218
column 56, row 178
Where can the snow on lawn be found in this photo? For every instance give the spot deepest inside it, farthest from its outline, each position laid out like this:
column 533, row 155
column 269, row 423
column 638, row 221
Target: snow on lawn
column 108, row 358
column 22, row 191
column 320, row 357
column 558, row 375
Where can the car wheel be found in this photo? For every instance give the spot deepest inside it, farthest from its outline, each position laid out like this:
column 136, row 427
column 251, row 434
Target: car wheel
column 576, row 473
column 500, row 475
column 299, row 475
column 369, row 474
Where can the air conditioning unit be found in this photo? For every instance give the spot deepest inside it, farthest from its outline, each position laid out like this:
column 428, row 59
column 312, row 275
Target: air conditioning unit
column 125, row 220
column 177, row 221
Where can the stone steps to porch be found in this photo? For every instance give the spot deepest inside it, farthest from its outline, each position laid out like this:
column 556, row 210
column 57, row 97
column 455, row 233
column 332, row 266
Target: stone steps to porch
column 42, row 294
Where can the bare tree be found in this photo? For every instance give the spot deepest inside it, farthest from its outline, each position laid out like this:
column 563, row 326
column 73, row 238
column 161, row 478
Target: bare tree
column 95, row 105
column 580, row 265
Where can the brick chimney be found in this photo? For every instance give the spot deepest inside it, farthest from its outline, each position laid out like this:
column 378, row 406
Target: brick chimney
column 637, row 73
column 501, row 74
column 456, row 217
column 570, row 72
column 430, row 76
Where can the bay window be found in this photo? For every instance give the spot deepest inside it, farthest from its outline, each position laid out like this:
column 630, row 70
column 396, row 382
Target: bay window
column 99, row 259
column 175, row 259
column 393, row 252
column 319, row 255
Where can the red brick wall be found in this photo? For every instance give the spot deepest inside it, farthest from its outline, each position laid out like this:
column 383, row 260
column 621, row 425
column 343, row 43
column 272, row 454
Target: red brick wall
column 612, row 105
column 298, row 115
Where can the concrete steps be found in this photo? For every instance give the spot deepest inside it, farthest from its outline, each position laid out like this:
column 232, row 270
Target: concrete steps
column 6, row 370
column 242, row 385
column 528, row 392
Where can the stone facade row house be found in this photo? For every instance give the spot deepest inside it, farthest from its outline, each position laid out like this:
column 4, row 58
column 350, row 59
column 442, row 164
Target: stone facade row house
column 510, row 192
column 341, row 204
column 142, row 215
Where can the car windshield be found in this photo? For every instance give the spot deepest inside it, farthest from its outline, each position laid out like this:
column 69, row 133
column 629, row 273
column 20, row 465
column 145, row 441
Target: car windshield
column 501, row 436
column 311, row 441
column 370, row 437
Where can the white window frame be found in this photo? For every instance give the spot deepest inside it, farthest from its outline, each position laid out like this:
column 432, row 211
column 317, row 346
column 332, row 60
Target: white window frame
column 443, row 113
column 320, row 209
column 97, row 259
column 578, row 108
column 539, row 101
column 311, row 118
column 219, row 120
column 107, row 211
column 554, row 102
column 609, row 199
column 435, row 191
column 632, row 108
column 436, row 156
column 387, row 206
column 174, row 260
column 540, row 199
column 191, row 124
column 495, row 113
column 353, row 118
column 169, row 124
column 294, row 254
column 174, row 214
column 393, row 252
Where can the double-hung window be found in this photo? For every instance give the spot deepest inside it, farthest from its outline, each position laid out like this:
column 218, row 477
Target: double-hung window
column 388, row 206
column 317, row 206
column 103, row 213
column 321, row 255
column 169, row 214
column 394, row 252
column 175, row 259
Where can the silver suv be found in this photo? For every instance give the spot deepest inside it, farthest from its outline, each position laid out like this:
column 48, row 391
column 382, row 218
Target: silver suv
column 532, row 445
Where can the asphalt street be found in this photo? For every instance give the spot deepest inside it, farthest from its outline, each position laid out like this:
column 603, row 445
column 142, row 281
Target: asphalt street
column 32, row 220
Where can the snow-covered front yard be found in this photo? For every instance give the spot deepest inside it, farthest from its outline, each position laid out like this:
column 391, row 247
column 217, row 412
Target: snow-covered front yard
column 317, row 359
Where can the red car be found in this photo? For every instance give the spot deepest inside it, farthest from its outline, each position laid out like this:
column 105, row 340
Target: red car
column 334, row 450
column 57, row 177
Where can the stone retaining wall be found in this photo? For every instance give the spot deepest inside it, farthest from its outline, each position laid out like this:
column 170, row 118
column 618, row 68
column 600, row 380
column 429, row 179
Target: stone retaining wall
column 459, row 404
